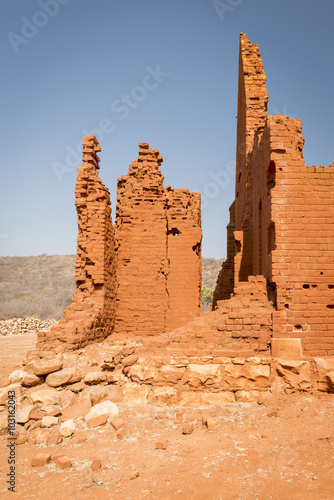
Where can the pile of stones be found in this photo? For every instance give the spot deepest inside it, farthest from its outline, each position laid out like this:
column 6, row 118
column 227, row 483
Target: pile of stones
column 22, row 326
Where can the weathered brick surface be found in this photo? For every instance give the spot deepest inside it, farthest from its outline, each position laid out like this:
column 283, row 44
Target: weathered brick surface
column 159, row 257
column 91, row 315
column 284, row 220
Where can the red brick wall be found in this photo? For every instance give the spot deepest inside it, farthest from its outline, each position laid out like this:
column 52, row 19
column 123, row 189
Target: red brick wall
column 252, row 108
column 184, row 238
column 284, row 222
column 303, row 259
column 159, row 250
column 91, row 315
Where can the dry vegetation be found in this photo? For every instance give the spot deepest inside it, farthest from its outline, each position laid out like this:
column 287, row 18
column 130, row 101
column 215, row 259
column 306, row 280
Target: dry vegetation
column 43, row 285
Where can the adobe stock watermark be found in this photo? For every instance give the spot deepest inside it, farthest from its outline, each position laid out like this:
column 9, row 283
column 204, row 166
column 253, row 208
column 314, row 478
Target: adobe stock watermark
column 121, row 107
column 219, row 182
column 223, row 7
column 31, row 27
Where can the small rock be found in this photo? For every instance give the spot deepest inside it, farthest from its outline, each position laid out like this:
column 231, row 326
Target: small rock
column 105, row 408
column 41, row 437
column 111, row 393
column 94, row 378
column 49, row 421
column 40, row 460
column 22, row 416
column 21, row 439
column 188, row 428
column 35, row 425
column 44, row 367
column 3, row 424
column 54, row 413
column 4, row 382
column 162, row 444
column 107, row 366
column 77, row 387
column 273, row 413
column 210, row 424
column 30, row 380
column 37, row 416
column 96, row 421
column 45, row 396
column 63, row 377
column 117, row 423
column 94, row 363
column 64, row 462
column 68, row 399
column 121, row 433
column 134, row 475
column 205, row 417
column 54, row 439
column 130, row 360
column 117, row 359
column 126, row 351
column 3, row 396
column 17, row 376
column 67, row 428
column 96, row 464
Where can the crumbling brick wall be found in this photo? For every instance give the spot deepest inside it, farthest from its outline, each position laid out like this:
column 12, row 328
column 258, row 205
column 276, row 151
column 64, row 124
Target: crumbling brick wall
column 184, row 238
column 302, row 242
column 159, row 258
column 252, row 114
column 91, row 315
column 284, row 218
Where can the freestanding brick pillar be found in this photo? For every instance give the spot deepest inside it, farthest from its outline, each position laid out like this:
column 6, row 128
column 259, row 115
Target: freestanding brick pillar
column 91, row 315
column 159, row 250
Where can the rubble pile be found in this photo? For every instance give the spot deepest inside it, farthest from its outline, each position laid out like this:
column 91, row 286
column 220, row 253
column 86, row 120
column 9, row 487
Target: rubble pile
column 22, row 326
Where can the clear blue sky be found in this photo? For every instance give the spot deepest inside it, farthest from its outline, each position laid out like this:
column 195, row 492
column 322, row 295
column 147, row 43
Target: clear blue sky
column 71, row 73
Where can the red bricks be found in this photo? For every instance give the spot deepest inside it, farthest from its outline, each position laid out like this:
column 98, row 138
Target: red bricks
column 91, row 315
column 159, row 259
column 283, row 222
column 40, row 459
column 64, row 462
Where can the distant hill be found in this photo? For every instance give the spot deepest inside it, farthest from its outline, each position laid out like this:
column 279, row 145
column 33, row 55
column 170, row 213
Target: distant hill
column 44, row 285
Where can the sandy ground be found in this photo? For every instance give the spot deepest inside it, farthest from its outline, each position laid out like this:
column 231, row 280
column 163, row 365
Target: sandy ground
column 283, row 449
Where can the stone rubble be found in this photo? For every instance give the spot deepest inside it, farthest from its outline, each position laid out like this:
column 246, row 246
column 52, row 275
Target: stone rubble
column 24, row 326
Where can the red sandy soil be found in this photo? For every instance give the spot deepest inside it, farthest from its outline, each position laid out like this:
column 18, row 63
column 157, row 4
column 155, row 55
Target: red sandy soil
column 283, row 449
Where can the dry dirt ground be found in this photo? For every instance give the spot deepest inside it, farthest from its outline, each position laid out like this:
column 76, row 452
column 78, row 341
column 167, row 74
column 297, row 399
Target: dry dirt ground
column 283, row 449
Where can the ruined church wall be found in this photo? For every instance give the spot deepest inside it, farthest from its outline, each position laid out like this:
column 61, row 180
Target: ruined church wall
column 302, row 243
column 91, row 315
column 184, row 238
column 142, row 300
column 252, row 115
column 159, row 258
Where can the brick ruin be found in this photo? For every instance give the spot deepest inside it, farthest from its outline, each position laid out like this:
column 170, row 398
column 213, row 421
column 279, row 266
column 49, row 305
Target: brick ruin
column 159, row 239
column 142, row 277
column 282, row 221
column 138, row 283
column 91, row 315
